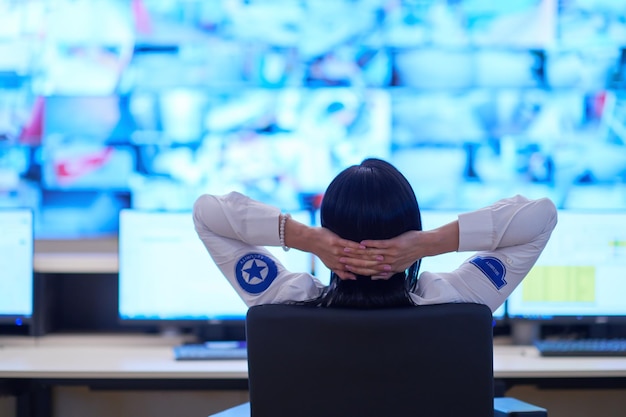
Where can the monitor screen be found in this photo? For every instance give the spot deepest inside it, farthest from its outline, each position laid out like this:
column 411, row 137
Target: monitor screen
column 166, row 275
column 580, row 276
column 16, row 264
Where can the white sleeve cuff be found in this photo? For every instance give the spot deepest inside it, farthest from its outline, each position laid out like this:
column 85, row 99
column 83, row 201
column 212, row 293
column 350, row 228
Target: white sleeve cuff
column 261, row 224
column 476, row 230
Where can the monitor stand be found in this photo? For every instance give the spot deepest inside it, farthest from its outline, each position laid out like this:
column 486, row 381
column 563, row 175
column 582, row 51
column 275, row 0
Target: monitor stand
column 221, row 331
column 170, row 331
column 607, row 331
column 525, row 332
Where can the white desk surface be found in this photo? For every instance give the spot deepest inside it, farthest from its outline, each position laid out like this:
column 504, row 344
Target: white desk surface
column 139, row 357
column 525, row 362
column 87, row 263
column 101, row 357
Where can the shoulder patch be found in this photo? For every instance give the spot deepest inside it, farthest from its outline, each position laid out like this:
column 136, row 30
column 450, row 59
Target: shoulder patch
column 255, row 272
column 493, row 268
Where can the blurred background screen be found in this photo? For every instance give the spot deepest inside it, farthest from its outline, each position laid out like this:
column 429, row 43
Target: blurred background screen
column 146, row 104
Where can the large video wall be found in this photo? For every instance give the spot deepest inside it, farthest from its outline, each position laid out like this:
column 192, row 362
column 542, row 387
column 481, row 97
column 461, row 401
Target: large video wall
column 107, row 104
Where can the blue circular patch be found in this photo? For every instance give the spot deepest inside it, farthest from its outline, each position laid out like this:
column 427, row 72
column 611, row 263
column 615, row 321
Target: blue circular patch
column 255, row 272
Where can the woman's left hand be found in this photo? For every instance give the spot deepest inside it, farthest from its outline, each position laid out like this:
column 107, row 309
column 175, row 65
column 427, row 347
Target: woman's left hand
column 330, row 248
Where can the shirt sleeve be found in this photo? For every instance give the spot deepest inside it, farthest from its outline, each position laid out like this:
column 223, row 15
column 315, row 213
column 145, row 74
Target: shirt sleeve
column 235, row 230
column 508, row 236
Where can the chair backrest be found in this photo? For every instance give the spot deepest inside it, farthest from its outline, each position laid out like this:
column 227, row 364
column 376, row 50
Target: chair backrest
column 433, row 361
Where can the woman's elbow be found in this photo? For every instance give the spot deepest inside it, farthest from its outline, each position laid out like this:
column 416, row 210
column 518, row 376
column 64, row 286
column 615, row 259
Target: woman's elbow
column 550, row 212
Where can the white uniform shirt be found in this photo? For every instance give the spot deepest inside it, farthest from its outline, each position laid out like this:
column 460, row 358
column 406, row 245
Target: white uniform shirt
column 507, row 236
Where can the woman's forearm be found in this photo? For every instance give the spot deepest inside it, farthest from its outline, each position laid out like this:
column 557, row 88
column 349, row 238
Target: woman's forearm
column 297, row 235
column 441, row 240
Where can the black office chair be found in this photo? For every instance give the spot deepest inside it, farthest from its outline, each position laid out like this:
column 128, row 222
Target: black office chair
column 433, row 361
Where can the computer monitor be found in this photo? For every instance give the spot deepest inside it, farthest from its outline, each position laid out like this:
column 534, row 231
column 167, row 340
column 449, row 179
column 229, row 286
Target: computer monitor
column 167, row 278
column 581, row 275
column 16, row 266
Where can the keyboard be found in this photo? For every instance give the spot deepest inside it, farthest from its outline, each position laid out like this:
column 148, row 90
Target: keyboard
column 211, row 351
column 582, row 347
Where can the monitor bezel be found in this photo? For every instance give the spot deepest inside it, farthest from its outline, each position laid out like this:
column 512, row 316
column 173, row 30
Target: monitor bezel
column 571, row 319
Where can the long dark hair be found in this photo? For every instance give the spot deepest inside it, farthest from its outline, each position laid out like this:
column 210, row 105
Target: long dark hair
column 372, row 200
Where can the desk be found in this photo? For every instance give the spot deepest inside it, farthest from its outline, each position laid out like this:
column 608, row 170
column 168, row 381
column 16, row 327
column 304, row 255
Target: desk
column 148, row 362
column 151, row 357
column 101, row 357
column 31, row 367
column 88, row 263
column 524, row 362
column 523, row 365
